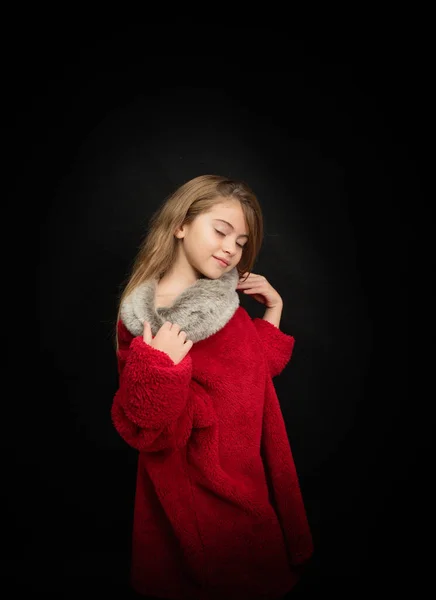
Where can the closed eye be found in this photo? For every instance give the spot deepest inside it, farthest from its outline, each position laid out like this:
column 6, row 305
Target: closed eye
column 221, row 233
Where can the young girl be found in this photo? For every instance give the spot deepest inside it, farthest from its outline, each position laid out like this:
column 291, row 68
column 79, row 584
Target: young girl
column 218, row 510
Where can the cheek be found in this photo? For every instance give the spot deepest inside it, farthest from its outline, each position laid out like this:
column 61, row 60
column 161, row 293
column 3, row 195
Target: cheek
column 204, row 245
column 209, row 243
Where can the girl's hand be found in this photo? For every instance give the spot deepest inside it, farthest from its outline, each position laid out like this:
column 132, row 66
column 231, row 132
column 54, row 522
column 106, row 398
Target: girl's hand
column 261, row 290
column 168, row 339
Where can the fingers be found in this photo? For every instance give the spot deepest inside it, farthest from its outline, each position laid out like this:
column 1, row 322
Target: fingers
column 146, row 332
column 175, row 327
column 169, row 325
column 252, row 279
column 181, row 334
column 251, row 276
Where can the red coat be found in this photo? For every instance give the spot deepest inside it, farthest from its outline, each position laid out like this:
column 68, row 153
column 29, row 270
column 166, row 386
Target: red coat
column 218, row 509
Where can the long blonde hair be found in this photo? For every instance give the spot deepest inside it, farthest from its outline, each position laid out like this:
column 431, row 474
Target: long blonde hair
column 158, row 251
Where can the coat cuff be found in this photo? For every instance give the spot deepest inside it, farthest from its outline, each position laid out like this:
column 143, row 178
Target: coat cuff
column 155, row 389
column 278, row 346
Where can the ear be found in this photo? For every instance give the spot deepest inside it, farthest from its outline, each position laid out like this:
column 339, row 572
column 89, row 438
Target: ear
column 180, row 232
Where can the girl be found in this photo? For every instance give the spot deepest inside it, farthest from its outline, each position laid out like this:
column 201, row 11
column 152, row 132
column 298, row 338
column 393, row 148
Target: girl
column 218, row 510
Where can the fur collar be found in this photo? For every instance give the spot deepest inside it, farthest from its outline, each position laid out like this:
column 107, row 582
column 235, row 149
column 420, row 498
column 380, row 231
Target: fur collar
column 201, row 310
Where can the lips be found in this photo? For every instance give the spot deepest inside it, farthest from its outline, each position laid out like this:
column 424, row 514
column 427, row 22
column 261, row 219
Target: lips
column 221, row 262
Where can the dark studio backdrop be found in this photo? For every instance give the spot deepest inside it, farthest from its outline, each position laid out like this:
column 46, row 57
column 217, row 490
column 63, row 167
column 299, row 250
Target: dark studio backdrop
column 102, row 131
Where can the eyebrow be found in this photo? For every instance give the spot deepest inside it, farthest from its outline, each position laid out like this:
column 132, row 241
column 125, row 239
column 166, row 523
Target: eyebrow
column 230, row 225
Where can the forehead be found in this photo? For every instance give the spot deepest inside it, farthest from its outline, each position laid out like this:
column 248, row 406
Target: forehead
column 230, row 210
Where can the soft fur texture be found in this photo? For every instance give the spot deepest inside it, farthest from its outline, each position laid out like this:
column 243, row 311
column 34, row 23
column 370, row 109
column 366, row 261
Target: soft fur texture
column 218, row 509
column 201, row 310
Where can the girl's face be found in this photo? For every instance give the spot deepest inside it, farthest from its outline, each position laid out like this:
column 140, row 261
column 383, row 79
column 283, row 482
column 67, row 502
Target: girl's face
column 220, row 233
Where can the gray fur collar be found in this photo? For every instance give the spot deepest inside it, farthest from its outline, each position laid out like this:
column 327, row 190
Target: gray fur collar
column 201, row 310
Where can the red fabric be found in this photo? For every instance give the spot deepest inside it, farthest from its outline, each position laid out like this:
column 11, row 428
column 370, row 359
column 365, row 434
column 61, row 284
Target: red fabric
column 218, row 510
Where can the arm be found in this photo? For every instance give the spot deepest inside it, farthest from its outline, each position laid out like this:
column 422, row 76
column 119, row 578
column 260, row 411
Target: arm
column 283, row 481
column 278, row 346
column 156, row 405
column 273, row 314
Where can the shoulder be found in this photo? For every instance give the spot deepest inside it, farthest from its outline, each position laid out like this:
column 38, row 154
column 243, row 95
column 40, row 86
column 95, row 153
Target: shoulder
column 124, row 335
column 242, row 313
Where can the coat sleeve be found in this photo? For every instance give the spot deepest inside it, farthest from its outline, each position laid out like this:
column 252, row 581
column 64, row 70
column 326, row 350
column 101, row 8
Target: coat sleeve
column 283, row 481
column 156, row 404
column 277, row 345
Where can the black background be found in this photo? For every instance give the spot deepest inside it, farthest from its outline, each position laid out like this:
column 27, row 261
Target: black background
column 101, row 127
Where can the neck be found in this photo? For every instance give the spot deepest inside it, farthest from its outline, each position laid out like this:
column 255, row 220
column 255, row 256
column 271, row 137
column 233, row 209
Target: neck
column 201, row 309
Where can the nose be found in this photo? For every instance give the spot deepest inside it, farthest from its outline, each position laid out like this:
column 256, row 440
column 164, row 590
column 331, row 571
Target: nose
column 229, row 248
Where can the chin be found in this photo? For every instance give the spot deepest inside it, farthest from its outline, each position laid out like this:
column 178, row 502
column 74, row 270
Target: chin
column 203, row 274
column 211, row 274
